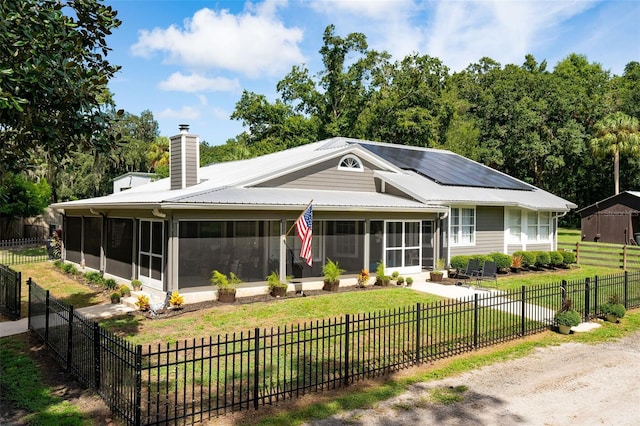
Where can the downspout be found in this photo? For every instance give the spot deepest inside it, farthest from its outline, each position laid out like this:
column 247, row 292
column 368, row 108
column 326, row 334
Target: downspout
column 442, row 237
column 555, row 234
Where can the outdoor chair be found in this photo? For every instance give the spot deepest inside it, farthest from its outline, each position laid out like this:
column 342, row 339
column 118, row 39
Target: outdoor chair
column 489, row 272
column 472, row 270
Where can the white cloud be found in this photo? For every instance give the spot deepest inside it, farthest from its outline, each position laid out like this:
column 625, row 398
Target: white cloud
column 220, row 114
column 203, row 100
column 198, row 83
column 463, row 32
column 184, row 113
column 253, row 42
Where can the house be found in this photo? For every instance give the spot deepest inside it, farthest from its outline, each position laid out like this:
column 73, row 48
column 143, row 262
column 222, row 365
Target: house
column 404, row 206
column 613, row 220
column 130, row 180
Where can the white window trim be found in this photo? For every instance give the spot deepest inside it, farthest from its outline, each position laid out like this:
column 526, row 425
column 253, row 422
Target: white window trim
column 459, row 231
column 524, row 228
column 355, row 164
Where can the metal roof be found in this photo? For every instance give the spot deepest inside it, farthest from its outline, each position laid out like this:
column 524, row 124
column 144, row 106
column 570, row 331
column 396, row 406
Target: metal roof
column 229, row 184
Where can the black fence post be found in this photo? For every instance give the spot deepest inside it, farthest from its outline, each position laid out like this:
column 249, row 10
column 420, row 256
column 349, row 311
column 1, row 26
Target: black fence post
column 475, row 320
column 256, row 360
column 18, row 295
column 564, row 292
column 418, row 347
column 523, row 317
column 46, row 317
column 138, row 396
column 29, row 310
column 96, row 356
column 595, row 296
column 346, row 349
column 626, row 289
column 587, row 302
column 70, row 338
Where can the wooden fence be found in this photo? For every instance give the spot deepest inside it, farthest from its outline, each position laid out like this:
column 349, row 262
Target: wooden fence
column 603, row 254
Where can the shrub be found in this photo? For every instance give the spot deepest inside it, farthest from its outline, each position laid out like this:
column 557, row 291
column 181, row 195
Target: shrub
column 58, row 264
column 143, row 303
column 568, row 257
column 68, row 268
column 460, row 261
column 176, row 300
column 400, row 280
column 94, row 277
column 542, row 258
column 409, row 280
column 555, row 258
column 223, row 282
column 613, row 307
column 516, row 261
column 110, row 284
column 503, row 261
column 125, row 291
column 363, row 278
column 332, row 271
column 395, row 275
column 115, row 296
column 528, row 258
column 136, row 284
column 569, row 318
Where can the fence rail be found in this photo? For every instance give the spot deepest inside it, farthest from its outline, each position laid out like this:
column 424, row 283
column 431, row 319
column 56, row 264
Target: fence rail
column 26, row 250
column 625, row 257
column 197, row 379
column 10, row 292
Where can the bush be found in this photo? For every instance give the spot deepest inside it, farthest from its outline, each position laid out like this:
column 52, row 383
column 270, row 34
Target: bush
column 528, row 258
column 94, row 277
column 68, row 268
column 460, row 261
column 613, row 307
column 176, row 300
column 143, row 303
column 503, row 261
column 125, row 291
column 409, row 280
column 395, row 274
column 400, row 280
column 555, row 258
column 110, row 284
column 569, row 318
column 568, row 257
column 542, row 258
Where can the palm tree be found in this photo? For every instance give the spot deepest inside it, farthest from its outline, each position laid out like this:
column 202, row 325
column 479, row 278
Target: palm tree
column 616, row 134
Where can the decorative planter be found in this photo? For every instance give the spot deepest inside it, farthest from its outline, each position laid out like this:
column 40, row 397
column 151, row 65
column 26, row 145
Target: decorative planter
column 115, row 300
column 435, row 277
column 564, row 329
column 515, row 270
column 612, row 318
column 279, row 292
column 227, row 295
column 331, row 286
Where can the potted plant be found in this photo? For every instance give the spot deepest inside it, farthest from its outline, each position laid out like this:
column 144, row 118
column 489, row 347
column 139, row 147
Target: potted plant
column 381, row 278
column 115, row 297
column 437, row 274
column 331, row 271
column 363, row 278
column 276, row 287
column 400, row 281
column 613, row 309
column 176, row 301
column 125, row 291
column 226, row 286
column 567, row 317
column 136, row 284
column 516, row 264
column 409, row 281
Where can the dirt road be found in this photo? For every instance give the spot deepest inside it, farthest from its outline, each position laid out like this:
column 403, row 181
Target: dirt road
column 571, row 384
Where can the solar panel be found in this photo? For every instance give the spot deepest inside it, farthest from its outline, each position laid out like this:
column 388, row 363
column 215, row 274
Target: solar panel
column 445, row 168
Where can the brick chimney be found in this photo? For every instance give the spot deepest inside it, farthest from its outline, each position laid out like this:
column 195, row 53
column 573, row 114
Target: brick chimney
column 184, row 154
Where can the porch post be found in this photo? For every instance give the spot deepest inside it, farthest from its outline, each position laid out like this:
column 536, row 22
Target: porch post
column 283, row 250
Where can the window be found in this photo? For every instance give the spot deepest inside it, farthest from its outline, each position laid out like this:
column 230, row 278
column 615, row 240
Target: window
column 350, row 163
column 463, row 226
column 538, row 226
column 515, row 225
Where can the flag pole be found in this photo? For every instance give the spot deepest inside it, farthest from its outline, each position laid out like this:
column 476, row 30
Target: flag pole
column 294, row 222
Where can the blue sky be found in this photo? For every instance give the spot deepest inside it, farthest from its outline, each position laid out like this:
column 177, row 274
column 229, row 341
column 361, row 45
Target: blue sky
column 189, row 60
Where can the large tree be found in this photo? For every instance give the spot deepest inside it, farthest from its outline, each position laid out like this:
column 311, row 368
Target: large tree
column 54, row 76
column 617, row 134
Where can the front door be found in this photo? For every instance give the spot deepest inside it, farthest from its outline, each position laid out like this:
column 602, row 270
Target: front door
column 151, row 253
column 403, row 247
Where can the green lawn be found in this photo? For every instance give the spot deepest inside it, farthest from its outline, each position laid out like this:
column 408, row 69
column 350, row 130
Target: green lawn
column 569, row 236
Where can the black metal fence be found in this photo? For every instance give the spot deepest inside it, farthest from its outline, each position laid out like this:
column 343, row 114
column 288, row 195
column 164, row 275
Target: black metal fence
column 27, row 250
column 197, row 379
column 10, row 292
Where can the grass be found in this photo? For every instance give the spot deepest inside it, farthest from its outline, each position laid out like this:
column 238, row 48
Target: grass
column 61, row 286
column 22, row 384
column 233, row 318
column 569, row 235
column 369, row 396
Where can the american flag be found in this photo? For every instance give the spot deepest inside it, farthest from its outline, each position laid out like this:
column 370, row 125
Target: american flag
column 304, row 225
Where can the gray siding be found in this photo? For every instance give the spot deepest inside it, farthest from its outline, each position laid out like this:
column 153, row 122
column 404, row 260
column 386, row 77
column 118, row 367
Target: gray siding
column 326, row 175
column 489, row 232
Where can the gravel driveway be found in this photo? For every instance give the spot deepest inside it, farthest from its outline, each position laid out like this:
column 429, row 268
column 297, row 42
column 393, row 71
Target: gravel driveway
column 571, row 384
